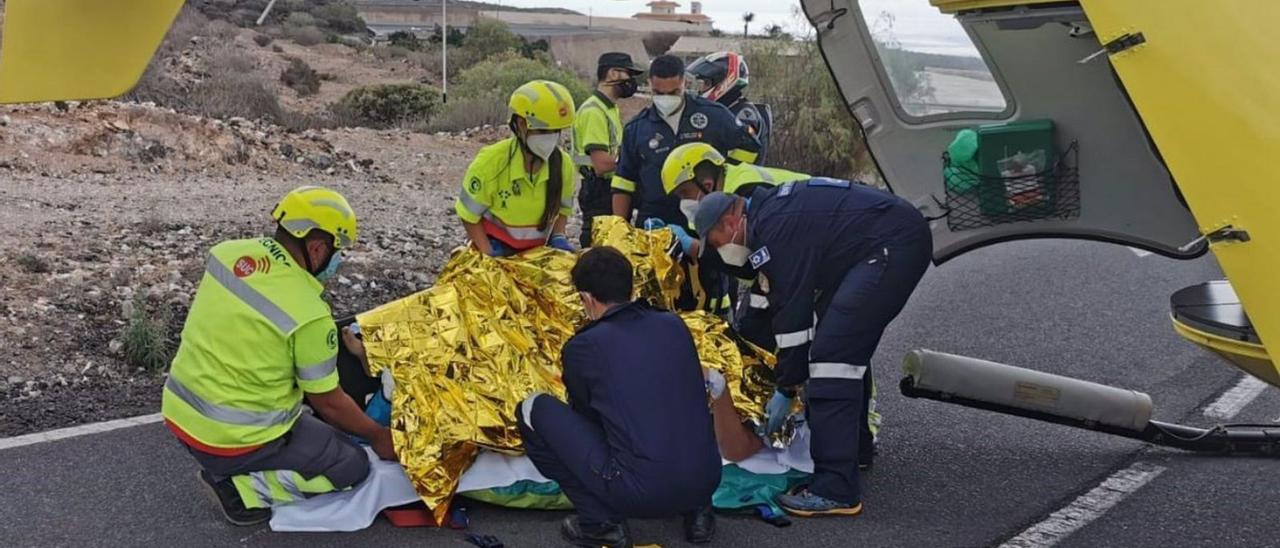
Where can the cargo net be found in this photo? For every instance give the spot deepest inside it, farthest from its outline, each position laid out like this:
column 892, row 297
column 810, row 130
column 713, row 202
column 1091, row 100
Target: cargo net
column 1025, row 191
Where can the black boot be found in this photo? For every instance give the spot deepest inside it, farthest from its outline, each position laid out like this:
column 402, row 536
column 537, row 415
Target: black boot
column 232, row 506
column 608, row 534
column 700, row 525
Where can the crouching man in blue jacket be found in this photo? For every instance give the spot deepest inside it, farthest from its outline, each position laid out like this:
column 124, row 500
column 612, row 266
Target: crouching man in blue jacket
column 636, row 438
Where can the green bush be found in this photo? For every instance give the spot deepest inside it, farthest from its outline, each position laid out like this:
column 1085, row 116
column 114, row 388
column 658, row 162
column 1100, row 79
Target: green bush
column 146, row 338
column 813, row 131
column 388, row 105
column 500, row 75
column 489, row 37
column 406, row 40
column 300, row 77
column 339, row 17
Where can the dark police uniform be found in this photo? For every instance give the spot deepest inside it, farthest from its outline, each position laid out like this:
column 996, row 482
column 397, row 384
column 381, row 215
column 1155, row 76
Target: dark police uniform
column 636, row 439
column 837, row 262
column 647, row 139
column 646, row 142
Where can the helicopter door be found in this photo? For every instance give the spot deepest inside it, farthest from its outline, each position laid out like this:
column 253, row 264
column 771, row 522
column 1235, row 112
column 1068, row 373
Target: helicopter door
column 1055, row 148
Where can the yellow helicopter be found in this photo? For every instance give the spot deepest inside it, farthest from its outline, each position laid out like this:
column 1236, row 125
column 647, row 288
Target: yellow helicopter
column 1111, row 120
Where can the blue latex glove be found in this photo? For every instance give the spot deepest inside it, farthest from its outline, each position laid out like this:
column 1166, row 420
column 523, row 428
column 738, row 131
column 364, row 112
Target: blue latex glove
column 686, row 241
column 498, row 249
column 654, row 223
column 559, row 241
column 776, row 412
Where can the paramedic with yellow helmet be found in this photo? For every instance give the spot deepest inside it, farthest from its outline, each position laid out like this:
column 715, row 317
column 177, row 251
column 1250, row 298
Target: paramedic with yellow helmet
column 257, row 341
column 518, row 192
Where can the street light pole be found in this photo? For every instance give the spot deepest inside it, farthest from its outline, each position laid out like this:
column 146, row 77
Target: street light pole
column 444, row 51
column 265, row 11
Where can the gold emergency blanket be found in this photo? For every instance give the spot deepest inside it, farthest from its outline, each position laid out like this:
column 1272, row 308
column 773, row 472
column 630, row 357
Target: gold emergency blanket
column 467, row 351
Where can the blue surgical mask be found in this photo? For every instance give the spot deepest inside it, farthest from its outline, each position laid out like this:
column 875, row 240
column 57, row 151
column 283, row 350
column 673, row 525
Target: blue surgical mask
column 331, row 268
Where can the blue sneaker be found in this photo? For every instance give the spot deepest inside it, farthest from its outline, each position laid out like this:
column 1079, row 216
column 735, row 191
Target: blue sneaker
column 806, row 505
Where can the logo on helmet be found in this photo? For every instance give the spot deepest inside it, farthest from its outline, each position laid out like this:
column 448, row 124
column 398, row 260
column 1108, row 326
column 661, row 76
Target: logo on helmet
column 564, row 110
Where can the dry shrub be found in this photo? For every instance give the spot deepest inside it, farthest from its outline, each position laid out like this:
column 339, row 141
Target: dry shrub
column 228, row 60
column 237, row 94
column 222, row 32
column 305, row 36
column 34, row 264
column 466, row 113
column 262, row 40
column 300, row 77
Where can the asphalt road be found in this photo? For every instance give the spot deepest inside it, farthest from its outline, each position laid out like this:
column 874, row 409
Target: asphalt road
column 946, row 476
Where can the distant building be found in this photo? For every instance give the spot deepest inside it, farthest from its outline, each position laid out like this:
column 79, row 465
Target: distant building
column 665, row 10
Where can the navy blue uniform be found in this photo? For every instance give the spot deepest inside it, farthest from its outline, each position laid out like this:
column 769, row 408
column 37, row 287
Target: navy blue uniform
column 647, row 140
column 837, row 262
column 636, row 439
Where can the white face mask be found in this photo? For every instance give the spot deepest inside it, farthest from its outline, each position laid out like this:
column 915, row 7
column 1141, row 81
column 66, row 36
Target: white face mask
column 689, row 208
column 668, row 104
column 543, row 144
column 734, row 254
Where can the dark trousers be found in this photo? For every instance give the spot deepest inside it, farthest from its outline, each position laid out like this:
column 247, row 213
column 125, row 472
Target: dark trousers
column 287, row 468
column 595, row 198
column 851, row 322
column 571, row 449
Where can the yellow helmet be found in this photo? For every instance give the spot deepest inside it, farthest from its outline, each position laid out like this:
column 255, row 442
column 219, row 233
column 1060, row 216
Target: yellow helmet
column 308, row 208
column 544, row 104
column 679, row 164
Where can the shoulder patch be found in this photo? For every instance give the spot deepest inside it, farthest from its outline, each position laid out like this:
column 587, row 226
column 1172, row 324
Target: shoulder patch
column 248, row 265
column 332, row 339
column 698, row 120
column 828, row 182
column 760, row 258
column 785, row 189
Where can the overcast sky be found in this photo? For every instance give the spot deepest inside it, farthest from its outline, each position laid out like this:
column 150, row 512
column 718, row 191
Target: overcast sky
column 918, row 25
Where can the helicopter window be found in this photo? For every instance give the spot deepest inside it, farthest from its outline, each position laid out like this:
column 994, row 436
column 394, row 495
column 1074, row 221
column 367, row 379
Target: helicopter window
column 930, row 62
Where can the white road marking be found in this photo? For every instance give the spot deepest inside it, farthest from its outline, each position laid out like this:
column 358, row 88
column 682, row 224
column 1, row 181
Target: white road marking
column 1140, row 253
column 1232, row 401
column 74, row 431
column 1088, row 507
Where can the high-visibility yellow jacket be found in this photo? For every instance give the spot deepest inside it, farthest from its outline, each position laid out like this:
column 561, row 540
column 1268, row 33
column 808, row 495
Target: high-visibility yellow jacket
column 257, row 337
column 598, row 126
column 499, row 194
column 740, row 178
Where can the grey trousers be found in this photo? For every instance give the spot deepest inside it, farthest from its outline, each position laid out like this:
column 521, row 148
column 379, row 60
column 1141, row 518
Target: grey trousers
column 310, row 459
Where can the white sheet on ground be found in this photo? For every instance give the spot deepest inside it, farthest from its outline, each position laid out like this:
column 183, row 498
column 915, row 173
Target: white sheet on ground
column 779, row 461
column 387, row 486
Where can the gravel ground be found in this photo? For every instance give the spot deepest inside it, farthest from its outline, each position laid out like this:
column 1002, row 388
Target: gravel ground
column 92, row 232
